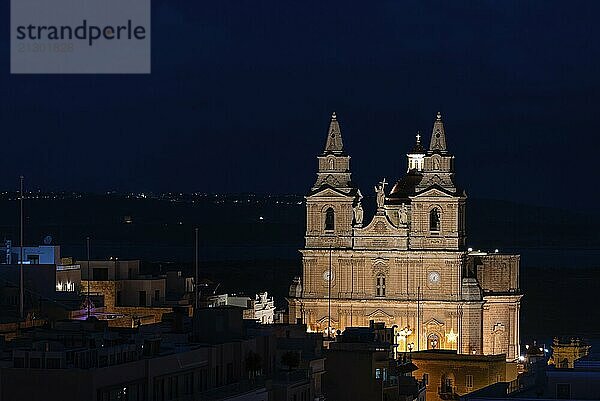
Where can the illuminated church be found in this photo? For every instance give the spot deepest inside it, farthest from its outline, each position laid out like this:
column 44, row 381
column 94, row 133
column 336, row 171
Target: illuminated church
column 408, row 266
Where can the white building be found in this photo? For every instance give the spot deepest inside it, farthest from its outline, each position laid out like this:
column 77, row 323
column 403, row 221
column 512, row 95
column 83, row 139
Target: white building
column 261, row 308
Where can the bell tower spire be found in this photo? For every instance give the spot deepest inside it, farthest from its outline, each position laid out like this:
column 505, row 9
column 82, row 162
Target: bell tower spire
column 438, row 136
column 334, row 137
column 334, row 163
column 331, row 202
column 438, row 165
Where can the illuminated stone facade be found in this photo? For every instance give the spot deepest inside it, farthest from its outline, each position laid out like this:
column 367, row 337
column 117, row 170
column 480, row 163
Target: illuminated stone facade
column 449, row 375
column 408, row 266
column 566, row 351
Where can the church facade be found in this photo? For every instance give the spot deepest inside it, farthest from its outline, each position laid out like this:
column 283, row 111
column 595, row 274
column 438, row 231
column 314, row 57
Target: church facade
column 408, row 266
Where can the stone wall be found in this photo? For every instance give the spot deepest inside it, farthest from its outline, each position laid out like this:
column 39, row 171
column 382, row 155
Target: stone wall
column 501, row 325
column 497, row 273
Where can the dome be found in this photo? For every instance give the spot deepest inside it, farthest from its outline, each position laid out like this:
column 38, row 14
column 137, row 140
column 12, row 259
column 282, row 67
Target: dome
column 405, row 187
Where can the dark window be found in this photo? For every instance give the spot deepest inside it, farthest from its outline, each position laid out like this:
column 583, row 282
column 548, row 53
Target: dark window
column 33, row 259
column 100, row 274
column 157, row 295
column 203, row 385
column 173, row 387
column 142, row 298
column 563, row 391
column 130, row 273
column 118, row 298
column 188, row 384
column 380, row 285
column 159, row 389
column 329, row 219
column 53, row 363
column 434, row 220
column 447, row 385
column 229, row 373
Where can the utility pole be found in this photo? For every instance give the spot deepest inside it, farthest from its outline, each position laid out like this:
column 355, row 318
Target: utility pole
column 87, row 240
column 196, row 278
column 21, row 288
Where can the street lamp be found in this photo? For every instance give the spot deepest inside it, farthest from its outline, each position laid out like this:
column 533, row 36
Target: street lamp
column 404, row 333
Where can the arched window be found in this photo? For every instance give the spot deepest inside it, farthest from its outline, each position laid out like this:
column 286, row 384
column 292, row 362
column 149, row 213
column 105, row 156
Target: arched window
column 380, row 285
column 433, row 341
column 434, row 220
column 331, row 164
column 329, row 219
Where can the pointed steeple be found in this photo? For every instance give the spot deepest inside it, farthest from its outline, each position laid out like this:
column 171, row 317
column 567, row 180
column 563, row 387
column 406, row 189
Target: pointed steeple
column 334, row 137
column 438, row 136
column 334, row 163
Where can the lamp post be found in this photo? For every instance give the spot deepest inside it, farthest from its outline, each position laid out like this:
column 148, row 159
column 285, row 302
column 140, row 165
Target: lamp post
column 404, row 333
column 21, row 287
column 196, row 278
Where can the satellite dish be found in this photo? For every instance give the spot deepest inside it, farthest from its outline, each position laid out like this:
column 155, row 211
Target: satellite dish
column 47, row 240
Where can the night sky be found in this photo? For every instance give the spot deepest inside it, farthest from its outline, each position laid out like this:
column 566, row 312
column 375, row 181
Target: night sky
column 241, row 92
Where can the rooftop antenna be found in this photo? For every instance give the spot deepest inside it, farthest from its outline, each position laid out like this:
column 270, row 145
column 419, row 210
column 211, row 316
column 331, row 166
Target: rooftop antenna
column 87, row 243
column 196, row 283
column 21, row 297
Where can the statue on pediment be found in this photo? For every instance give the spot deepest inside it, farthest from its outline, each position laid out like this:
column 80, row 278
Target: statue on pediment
column 358, row 214
column 403, row 213
column 380, row 191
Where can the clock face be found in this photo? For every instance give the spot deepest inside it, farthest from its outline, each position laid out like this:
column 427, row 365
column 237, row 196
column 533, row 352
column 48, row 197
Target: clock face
column 434, row 277
column 326, row 276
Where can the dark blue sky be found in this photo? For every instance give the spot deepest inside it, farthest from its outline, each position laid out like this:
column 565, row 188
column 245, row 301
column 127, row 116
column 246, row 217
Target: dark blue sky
column 241, row 92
